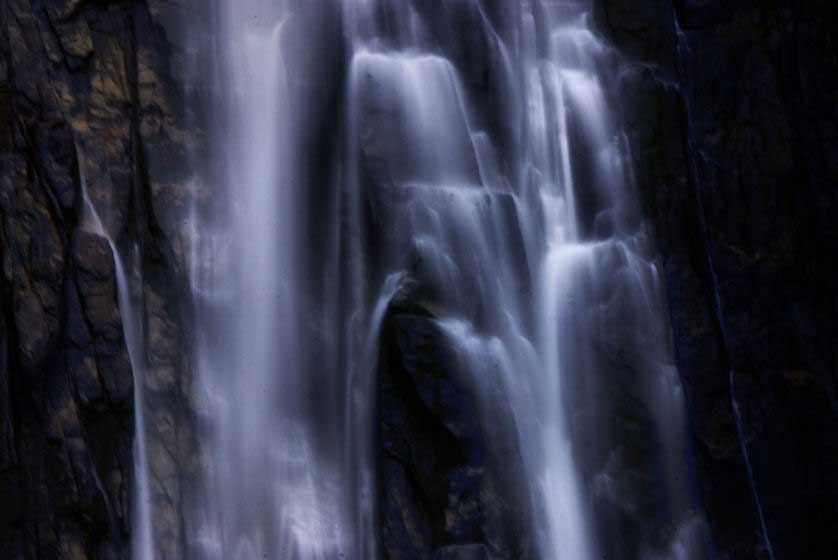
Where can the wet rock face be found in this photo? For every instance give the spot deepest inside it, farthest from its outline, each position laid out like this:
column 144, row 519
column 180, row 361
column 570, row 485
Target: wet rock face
column 447, row 482
column 732, row 127
column 86, row 94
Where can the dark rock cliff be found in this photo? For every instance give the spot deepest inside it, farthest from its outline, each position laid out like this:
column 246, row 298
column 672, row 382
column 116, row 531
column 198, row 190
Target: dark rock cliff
column 86, row 95
column 730, row 110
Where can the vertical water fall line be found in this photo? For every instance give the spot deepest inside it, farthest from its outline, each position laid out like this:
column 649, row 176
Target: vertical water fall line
column 142, row 545
column 272, row 486
column 567, row 515
column 132, row 325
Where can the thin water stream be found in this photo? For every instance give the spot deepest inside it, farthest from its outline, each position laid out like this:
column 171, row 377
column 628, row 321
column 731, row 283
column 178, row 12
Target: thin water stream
column 131, row 315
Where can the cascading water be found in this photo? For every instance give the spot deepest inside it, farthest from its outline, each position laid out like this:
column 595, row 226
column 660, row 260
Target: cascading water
column 513, row 220
column 542, row 277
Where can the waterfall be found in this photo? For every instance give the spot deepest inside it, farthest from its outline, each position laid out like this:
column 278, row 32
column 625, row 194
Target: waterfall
column 268, row 493
column 504, row 203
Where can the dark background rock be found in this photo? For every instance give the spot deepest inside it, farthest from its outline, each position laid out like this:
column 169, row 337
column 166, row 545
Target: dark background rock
column 730, row 109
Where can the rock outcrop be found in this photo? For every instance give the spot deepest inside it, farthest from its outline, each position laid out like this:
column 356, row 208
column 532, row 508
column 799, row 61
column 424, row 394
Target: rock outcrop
column 448, row 479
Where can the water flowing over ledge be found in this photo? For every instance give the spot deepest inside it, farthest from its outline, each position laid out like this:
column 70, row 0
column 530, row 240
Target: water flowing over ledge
column 508, row 228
